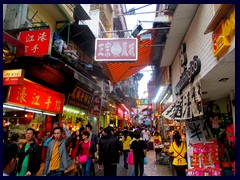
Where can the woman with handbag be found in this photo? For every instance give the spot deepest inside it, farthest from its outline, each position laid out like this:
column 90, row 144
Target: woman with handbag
column 126, row 147
column 85, row 153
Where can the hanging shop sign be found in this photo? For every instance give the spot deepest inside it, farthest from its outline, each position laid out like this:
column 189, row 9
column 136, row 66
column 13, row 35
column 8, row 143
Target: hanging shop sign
column 142, row 101
column 37, row 42
column 120, row 113
column 188, row 75
column 169, row 112
column 116, row 49
column 221, row 36
column 197, row 107
column 13, row 77
column 36, row 96
column 187, row 106
column 95, row 107
column 79, row 98
column 195, row 132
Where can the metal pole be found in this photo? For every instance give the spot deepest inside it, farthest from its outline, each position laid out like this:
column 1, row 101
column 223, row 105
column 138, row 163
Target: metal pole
column 161, row 28
column 138, row 13
column 68, row 34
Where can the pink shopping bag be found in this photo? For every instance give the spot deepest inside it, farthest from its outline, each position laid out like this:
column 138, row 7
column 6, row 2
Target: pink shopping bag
column 130, row 160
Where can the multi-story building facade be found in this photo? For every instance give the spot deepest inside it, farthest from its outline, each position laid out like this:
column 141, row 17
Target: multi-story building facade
column 69, row 68
column 201, row 70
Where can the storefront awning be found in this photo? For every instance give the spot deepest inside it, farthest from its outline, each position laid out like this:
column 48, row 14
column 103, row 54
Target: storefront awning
column 82, row 36
column 118, row 71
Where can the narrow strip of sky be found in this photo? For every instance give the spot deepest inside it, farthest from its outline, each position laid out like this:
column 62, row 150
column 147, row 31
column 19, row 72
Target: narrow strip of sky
column 132, row 21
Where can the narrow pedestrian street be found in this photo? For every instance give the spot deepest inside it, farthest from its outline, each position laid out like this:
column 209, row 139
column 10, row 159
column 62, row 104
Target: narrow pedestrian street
column 151, row 169
column 87, row 82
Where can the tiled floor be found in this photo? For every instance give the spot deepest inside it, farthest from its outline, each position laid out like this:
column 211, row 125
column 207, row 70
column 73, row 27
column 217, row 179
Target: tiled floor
column 151, row 169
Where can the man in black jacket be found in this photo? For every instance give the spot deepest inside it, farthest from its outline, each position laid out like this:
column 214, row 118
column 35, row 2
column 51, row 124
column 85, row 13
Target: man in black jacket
column 30, row 156
column 109, row 150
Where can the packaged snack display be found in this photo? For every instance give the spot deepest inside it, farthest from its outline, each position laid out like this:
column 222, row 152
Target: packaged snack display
column 204, row 160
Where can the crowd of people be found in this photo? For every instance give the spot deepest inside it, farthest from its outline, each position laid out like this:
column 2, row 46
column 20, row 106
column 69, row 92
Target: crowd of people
column 74, row 153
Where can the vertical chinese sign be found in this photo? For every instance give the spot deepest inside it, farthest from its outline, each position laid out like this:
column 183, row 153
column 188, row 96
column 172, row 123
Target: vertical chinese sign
column 37, row 42
column 116, row 49
column 33, row 95
column 197, row 107
column 95, row 107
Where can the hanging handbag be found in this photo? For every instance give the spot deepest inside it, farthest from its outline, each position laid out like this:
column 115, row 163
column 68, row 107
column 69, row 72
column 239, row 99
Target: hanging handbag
column 145, row 161
column 130, row 158
column 82, row 159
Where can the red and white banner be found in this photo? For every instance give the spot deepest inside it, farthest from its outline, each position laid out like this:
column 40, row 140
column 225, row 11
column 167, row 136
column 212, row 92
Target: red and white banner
column 13, row 77
column 37, row 42
column 36, row 96
column 116, row 49
column 120, row 113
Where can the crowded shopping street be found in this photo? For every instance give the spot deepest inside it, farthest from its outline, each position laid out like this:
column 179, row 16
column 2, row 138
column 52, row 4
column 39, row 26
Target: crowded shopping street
column 151, row 169
column 119, row 90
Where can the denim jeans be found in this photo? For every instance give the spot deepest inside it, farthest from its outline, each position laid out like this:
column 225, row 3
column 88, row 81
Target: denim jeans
column 86, row 167
column 125, row 156
column 56, row 173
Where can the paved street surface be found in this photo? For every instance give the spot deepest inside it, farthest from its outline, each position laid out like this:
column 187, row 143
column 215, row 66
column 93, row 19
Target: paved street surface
column 151, row 169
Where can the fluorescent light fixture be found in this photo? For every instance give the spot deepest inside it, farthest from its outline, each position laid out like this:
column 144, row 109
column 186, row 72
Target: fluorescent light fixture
column 50, row 114
column 170, row 99
column 26, row 109
column 158, row 94
column 33, row 111
column 13, row 107
column 164, row 98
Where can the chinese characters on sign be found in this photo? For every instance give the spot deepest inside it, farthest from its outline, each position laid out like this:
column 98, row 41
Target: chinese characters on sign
column 187, row 106
column 36, row 96
column 186, row 110
column 142, row 101
column 195, row 132
column 13, row 77
column 37, row 42
column 95, row 107
column 120, row 112
column 79, row 98
column 222, row 35
column 169, row 112
column 123, row 49
column 197, row 107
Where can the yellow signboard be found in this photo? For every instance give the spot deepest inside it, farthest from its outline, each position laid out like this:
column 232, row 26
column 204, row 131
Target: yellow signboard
column 221, row 35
